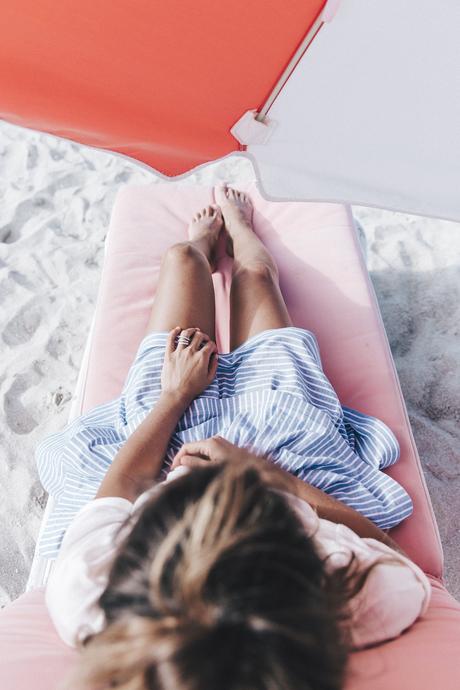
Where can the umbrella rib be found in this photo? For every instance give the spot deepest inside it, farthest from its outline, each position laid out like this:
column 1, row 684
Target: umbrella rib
column 260, row 116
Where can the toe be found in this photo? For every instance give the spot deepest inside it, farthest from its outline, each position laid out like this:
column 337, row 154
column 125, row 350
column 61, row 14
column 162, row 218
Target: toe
column 221, row 191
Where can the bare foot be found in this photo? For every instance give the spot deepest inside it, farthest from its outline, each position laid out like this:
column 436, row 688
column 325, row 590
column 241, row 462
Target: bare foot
column 237, row 211
column 204, row 231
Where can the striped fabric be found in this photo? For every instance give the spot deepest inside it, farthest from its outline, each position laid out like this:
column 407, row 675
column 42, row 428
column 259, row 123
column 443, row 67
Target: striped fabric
column 270, row 394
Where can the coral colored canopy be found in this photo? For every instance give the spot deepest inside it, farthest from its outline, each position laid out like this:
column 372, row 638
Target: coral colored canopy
column 159, row 80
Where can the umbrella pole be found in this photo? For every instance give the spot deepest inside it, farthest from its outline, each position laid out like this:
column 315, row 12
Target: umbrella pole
column 290, row 67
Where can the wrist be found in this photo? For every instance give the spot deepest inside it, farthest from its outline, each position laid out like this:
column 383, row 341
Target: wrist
column 175, row 400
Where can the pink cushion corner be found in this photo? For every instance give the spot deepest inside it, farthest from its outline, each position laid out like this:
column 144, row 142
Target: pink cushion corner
column 426, row 656
column 31, row 653
column 327, row 290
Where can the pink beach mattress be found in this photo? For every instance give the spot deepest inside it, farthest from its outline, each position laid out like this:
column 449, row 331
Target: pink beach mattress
column 327, row 290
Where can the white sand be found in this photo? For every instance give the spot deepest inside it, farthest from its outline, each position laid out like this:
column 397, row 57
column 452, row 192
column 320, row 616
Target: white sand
column 56, row 198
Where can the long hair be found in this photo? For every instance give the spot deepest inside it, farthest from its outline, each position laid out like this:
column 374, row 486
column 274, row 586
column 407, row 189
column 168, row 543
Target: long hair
column 218, row 587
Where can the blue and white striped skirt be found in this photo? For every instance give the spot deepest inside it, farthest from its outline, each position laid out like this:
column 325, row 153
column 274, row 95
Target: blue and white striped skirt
column 269, row 394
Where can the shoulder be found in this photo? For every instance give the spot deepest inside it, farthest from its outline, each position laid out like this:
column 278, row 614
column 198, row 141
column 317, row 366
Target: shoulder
column 394, row 595
column 79, row 574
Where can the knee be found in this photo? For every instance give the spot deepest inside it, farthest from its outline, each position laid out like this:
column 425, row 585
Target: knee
column 260, row 271
column 183, row 252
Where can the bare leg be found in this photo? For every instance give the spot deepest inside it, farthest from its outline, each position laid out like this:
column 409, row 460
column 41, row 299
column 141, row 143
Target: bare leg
column 185, row 292
column 256, row 302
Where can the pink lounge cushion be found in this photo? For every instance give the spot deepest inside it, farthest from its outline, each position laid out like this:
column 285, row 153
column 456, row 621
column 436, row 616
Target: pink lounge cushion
column 425, row 657
column 32, row 655
column 327, row 290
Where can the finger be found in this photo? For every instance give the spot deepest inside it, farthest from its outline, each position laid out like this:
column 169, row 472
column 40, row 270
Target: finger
column 188, row 332
column 185, row 450
column 220, row 442
column 198, row 338
column 213, row 364
column 177, row 460
column 208, row 349
column 191, row 461
column 175, row 463
column 194, row 448
column 171, row 342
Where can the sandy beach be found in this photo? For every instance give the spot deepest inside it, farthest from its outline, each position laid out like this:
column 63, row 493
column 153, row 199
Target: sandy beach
column 55, row 203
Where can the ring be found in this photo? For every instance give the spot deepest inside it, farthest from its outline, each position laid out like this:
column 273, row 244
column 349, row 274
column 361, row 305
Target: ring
column 184, row 340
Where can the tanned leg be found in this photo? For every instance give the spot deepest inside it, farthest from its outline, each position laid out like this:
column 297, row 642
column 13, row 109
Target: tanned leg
column 185, row 292
column 256, row 302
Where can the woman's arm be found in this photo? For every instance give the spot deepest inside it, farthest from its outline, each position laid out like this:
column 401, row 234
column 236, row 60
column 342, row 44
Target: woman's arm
column 139, row 461
column 187, row 371
column 327, row 507
column 331, row 509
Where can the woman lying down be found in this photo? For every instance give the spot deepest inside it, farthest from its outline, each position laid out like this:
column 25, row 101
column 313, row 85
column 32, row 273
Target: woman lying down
column 220, row 524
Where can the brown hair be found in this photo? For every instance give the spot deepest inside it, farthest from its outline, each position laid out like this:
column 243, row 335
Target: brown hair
column 218, row 587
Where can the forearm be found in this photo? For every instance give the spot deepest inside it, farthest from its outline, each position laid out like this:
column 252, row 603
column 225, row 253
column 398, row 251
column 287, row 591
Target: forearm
column 331, row 509
column 139, row 461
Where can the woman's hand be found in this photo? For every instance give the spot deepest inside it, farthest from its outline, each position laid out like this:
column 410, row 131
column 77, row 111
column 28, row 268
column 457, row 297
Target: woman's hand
column 212, row 449
column 217, row 449
column 188, row 369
